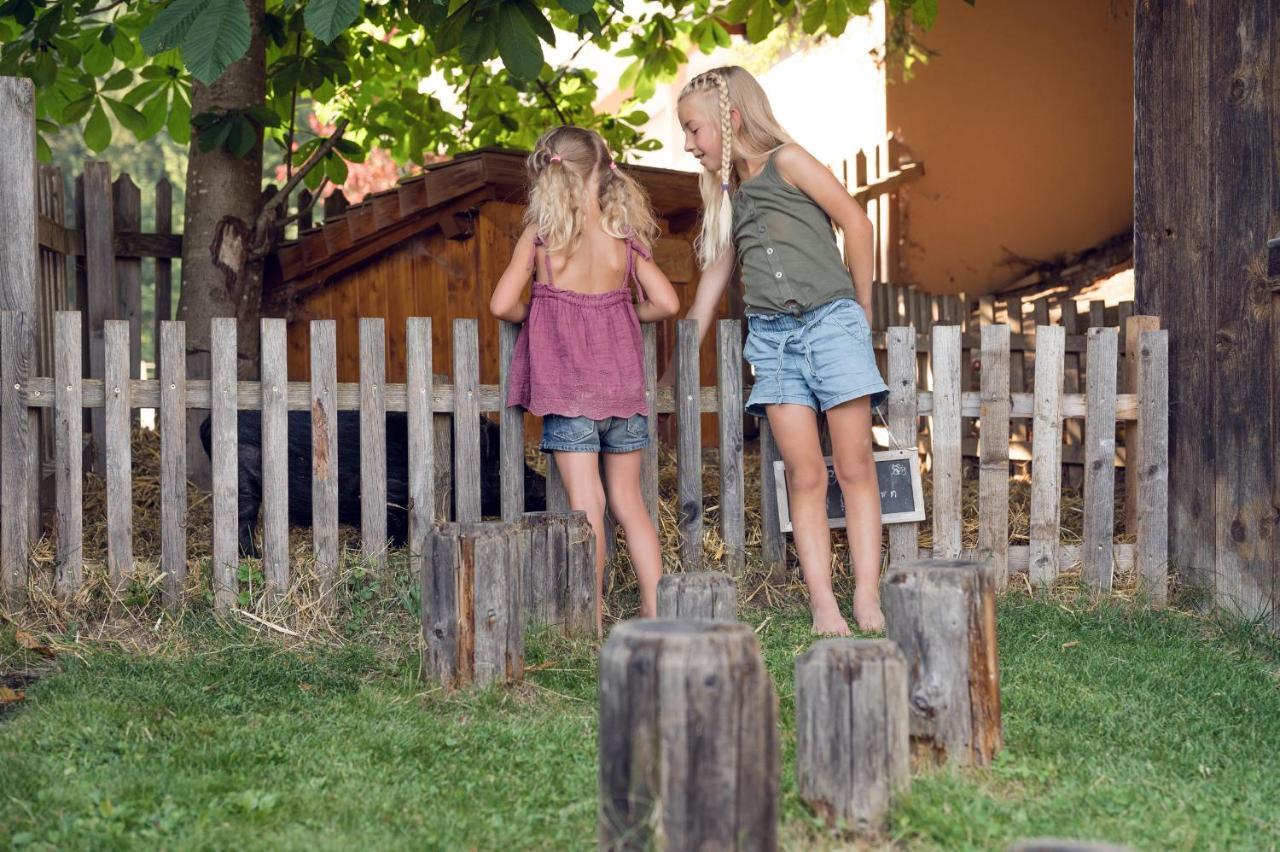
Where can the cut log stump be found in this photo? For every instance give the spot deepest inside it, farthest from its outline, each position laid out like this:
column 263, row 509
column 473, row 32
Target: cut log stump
column 942, row 614
column 560, row 572
column 473, row 605
column 709, row 595
column 852, row 748
column 1049, row 844
column 688, row 738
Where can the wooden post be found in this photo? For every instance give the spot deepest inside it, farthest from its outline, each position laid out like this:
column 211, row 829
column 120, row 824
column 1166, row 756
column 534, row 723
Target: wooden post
column 119, row 448
column 1073, row 429
column 14, row 546
column 373, row 441
column 709, row 595
column 773, row 545
column 275, row 459
column 224, row 432
column 1046, row 457
column 688, row 743
column 100, row 259
column 689, row 444
column 1152, row 466
column 422, row 497
column 852, row 731
column 944, row 433
column 164, row 265
column 69, row 454
column 1133, row 329
column 560, row 572
column 126, row 208
column 466, row 421
column 173, row 462
column 1100, row 459
column 903, row 405
column 511, row 434
column 442, row 444
column 993, row 439
column 472, row 604
column 649, row 457
column 942, row 614
column 732, row 503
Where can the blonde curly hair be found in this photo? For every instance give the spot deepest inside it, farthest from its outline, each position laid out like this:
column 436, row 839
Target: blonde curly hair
column 560, row 169
column 758, row 134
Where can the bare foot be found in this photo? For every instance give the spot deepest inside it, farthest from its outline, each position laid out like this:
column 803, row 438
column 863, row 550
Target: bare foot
column 828, row 621
column 868, row 615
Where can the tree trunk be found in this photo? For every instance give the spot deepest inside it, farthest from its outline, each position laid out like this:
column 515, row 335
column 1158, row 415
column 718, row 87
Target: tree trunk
column 224, row 195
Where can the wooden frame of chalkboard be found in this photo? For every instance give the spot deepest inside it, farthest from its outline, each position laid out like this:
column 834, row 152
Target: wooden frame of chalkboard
column 906, row 509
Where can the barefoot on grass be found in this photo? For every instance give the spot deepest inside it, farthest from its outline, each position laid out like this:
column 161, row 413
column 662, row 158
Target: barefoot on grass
column 827, row 621
column 868, row 615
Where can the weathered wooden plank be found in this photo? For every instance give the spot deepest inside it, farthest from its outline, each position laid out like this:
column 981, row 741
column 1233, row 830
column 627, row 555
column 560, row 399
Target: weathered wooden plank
column 119, row 449
column 1069, row 556
column 944, row 433
column 1040, row 312
column 1073, row 429
column 1152, row 466
column 164, row 265
column 1097, row 314
column 688, row 445
column 1133, row 328
column 649, row 457
column 942, row 614
column 688, row 744
column 173, row 462
column 466, row 430
column 324, row 449
column 903, row 538
column 773, row 545
column 1099, row 471
column 853, row 754
column 704, row 595
column 732, row 486
column 100, row 271
column 1046, row 457
column 993, row 471
column 14, row 364
column 499, row 607
column 511, row 439
column 126, row 208
column 275, row 459
column 422, row 458
column 69, row 573
column 373, row 441
column 224, row 431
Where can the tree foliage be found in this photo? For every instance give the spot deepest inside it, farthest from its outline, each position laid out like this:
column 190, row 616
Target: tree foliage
column 418, row 78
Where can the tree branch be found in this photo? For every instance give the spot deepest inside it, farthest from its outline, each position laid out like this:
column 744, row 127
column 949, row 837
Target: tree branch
column 551, row 99
column 269, row 219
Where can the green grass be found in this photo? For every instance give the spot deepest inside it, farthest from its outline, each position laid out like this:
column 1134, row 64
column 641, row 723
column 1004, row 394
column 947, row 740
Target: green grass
column 1148, row 728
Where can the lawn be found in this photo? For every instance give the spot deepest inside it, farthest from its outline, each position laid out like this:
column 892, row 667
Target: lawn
column 1154, row 729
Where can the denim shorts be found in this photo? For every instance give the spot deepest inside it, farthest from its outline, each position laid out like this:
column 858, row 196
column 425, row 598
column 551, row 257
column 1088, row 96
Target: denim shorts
column 584, row 435
column 819, row 358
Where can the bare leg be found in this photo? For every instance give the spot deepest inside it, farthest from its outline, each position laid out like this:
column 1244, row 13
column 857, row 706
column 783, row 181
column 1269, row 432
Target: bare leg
column 580, row 473
column 795, row 427
column 850, row 427
column 622, row 481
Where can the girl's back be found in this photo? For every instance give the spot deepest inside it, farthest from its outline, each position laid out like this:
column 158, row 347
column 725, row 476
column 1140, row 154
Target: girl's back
column 598, row 264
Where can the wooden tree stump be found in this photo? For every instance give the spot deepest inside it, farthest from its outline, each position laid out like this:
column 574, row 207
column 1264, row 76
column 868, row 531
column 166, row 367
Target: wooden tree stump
column 472, row 604
column 852, row 748
column 1050, row 844
column 708, row 595
column 942, row 614
column 560, row 572
column 688, row 738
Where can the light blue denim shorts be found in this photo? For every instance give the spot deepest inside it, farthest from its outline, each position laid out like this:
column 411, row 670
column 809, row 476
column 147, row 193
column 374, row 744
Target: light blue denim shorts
column 819, row 358
column 584, row 435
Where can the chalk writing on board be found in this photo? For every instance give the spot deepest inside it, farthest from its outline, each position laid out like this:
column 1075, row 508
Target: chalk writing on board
column 898, row 476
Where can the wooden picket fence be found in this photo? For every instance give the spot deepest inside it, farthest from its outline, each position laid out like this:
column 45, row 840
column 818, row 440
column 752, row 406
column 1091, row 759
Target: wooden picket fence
column 944, row 403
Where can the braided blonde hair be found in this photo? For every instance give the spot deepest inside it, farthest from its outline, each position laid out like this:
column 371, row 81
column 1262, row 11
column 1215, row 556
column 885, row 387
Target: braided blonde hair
column 758, row 134
column 560, row 168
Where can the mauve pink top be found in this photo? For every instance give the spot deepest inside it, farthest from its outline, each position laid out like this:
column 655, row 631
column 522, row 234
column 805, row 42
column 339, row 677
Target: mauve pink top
column 581, row 354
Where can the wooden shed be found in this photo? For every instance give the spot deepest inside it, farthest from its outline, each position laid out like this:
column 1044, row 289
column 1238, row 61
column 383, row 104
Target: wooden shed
column 435, row 246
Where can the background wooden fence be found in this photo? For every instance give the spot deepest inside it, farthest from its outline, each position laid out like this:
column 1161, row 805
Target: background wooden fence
column 943, row 402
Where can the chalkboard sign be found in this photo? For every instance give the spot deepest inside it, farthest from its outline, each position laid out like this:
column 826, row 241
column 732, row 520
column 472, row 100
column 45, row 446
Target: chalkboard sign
column 901, row 499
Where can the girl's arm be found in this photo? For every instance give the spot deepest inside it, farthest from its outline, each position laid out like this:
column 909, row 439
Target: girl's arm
column 507, row 303
column 661, row 300
column 706, row 301
column 815, row 180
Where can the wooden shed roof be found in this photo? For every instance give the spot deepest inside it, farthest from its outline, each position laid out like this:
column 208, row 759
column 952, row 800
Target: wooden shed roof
column 440, row 199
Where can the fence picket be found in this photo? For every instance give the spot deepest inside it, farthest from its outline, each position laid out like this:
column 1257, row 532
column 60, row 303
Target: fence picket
column 275, row 459
column 729, row 375
column 422, row 457
column 1153, row 466
column 511, row 436
column 466, row 421
column 945, row 436
column 1046, row 455
column 173, row 461
column 1099, row 462
column 69, row 426
column 118, row 400
column 649, row 458
column 993, row 438
column 688, row 445
column 14, row 546
column 164, row 265
column 1133, row 327
column 224, row 431
column 126, row 208
column 903, row 400
column 99, row 262
column 373, row 440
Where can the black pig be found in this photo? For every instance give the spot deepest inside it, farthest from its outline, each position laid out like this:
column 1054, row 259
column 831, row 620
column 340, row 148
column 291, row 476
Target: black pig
column 249, row 425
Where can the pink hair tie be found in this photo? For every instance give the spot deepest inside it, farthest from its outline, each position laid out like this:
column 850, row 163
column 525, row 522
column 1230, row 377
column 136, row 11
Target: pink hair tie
column 613, row 167
column 555, row 158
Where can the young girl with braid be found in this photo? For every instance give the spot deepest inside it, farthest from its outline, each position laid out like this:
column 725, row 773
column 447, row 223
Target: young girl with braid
column 579, row 359
column 770, row 206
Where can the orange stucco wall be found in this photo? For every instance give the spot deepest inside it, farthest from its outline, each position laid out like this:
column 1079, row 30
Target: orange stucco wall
column 1024, row 121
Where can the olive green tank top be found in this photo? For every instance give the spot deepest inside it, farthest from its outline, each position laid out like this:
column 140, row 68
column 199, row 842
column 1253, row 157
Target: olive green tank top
column 787, row 248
